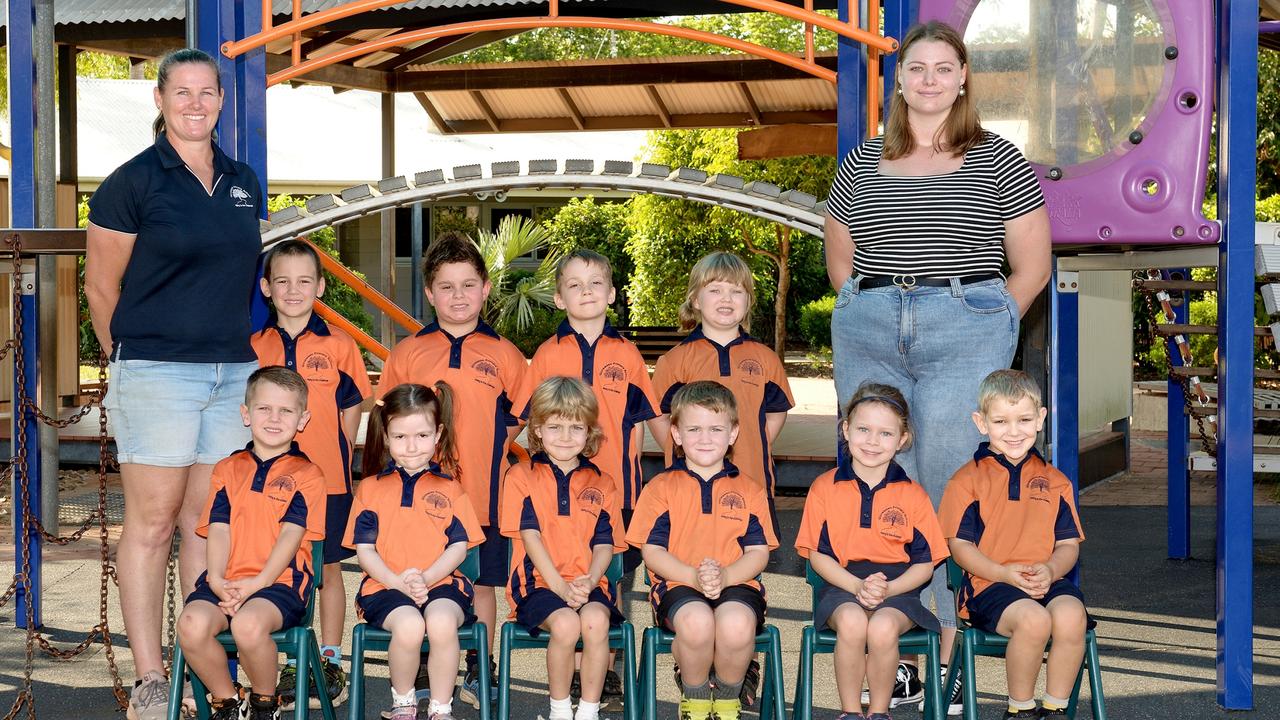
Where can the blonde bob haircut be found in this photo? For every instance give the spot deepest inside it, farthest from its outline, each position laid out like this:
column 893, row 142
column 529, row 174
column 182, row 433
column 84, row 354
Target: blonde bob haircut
column 571, row 399
column 1009, row 385
column 961, row 131
column 717, row 267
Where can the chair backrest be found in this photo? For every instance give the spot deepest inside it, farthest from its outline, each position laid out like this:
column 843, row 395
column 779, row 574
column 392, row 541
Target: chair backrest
column 317, row 567
column 955, row 575
column 470, row 566
column 816, row 582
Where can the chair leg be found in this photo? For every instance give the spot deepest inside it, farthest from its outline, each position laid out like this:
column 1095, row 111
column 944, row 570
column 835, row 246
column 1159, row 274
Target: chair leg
column 482, row 669
column 355, row 687
column 778, row 706
column 802, row 706
column 302, row 698
column 632, row 699
column 317, row 674
column 504, row 671
column 649, row 673
column 201, row 695
column 1095, row 676
column 175, row 684
column 934, row 704
column 969, row 677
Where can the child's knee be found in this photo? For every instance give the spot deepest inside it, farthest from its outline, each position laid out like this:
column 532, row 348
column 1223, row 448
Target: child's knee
column 442, row 622
column 735, row 623
column 695, row 623
column 849, row 622
column 1070, row 620
column 249, row 627
column 595, row 621
column 1031, row 620
column 882, row 634
column 564, row 625
column 194, row 626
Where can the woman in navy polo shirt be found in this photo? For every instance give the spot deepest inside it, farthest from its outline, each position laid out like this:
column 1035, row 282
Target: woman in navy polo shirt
column 173, row 242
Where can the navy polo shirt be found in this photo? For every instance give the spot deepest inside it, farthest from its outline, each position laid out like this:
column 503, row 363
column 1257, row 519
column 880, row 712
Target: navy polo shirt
column 186, row 290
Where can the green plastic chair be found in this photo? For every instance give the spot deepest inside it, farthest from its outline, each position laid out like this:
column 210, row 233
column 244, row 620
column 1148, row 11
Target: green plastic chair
column 298, row 643
column 657, row 640
column 972, row 642
column 365, row 638
column 623, row 638
column 814, row 641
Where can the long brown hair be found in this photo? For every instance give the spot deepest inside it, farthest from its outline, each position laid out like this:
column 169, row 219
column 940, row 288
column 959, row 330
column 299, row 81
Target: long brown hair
column 961, row 131
column 185, row 56
column 409, row 399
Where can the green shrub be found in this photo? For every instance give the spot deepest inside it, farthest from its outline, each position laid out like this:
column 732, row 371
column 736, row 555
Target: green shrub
column 815, row 321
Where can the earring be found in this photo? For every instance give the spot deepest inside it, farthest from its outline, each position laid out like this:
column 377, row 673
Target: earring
column 899, row 91
column 962, row 91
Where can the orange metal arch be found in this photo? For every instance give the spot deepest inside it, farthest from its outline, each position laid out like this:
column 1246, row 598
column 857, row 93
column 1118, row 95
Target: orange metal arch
column 529, row 23
column 300, row 23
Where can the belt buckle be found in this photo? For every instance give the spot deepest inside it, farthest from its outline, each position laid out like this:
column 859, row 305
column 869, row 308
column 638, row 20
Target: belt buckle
column 905, row 282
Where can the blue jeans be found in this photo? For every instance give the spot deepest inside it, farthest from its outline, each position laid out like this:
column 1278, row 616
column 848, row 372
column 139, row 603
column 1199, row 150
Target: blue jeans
column 935, row 344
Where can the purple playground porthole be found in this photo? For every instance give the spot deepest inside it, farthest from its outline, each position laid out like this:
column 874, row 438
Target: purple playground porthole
column 1109, row 100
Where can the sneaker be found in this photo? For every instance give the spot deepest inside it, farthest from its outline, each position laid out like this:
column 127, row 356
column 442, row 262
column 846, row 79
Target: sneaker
column 335, row 682
column 440, row 716
column 955, row 705
column 575, row 688
column 1032, row 714
column 150, row 698
column 1053, row 714
column 879, row 716
column 907, row 688
column 402, row 712
column 232, row 708
column 750, row 684
column 691, row 709
column 470, row 690
column 851, row 716
column 263, row 707
column 726, row 709
column 287, row 686
column 611, row 694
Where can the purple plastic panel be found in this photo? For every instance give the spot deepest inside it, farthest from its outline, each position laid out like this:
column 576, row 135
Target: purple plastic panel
column 1148, row 192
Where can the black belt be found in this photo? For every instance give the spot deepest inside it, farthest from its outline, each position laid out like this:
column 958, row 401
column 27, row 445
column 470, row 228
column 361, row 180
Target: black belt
column 906, row 282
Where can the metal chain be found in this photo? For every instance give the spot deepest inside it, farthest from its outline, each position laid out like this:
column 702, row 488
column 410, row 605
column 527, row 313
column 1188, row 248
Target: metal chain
column 1191, row 385
column 171, row 602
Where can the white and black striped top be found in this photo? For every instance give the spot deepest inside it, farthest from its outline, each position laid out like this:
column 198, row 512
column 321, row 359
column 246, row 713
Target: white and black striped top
column 948, row 225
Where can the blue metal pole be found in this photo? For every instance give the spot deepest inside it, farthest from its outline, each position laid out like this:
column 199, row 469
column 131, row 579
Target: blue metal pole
column 22, row 204
column 1237, row 136
column 1064, row 378
column 851, row 85
column 1179, row 477
column 899, row 16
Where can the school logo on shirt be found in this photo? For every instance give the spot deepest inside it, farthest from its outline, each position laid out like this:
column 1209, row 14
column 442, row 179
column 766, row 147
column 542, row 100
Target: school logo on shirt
column 486, row 372
column 891, row 520
column 615, row 377
column 730, row 504
column 591, row 496
column 751, row 369
column 1038, row 488
column 241, row 196
column 437, row 504
column 281, row 489
column 317, row 361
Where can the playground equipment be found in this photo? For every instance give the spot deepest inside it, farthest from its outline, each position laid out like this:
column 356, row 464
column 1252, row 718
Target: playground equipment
column 1122, row 170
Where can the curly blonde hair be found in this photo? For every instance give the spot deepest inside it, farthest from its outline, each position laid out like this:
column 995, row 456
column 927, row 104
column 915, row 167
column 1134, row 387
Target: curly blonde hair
column 571, row 399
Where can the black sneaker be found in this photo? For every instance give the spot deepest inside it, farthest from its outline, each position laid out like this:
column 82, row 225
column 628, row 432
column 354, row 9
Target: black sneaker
column 263, row 707
column 1055, row 714
column 335, row 681
column 575, row 686
column 907, row 687
column 231, row 708
column 1032, row 714
column 611, row 694
column 287, row 686
column 955, row 704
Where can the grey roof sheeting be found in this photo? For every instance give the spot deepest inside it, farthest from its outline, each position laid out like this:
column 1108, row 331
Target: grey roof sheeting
column 83, row 12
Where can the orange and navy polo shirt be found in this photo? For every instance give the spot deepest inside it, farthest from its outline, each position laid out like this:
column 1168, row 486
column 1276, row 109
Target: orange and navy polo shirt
column 755, row 375
column 485, row 371
column 1013, row 513
column 572, row 512
column 616, row 372
column 892, row 523
column 694, row 518
column 255, row 498
column 329, row 360
column 410, row 520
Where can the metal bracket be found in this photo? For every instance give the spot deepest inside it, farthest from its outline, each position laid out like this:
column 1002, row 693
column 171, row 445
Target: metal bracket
column 1068, row 281
column 28, row 277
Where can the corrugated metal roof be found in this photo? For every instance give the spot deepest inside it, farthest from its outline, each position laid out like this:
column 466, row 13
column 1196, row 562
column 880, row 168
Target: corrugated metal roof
column 77, row 12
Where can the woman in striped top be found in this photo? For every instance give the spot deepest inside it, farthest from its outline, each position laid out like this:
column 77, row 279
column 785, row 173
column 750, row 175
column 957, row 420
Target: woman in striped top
column 920, row 225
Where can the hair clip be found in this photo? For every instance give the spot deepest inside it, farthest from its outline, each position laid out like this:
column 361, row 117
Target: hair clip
column 379, row 402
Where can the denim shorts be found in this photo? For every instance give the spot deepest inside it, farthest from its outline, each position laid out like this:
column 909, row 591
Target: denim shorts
column 175, row 414
column 935, row 344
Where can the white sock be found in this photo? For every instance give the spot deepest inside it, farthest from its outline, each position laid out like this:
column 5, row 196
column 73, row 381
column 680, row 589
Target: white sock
column 561, row 709
column 587, row 710
column 1016, row 705
column 445, row 708
column 400, row 699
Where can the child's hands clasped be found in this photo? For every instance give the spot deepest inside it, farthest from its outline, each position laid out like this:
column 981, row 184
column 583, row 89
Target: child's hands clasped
column 237, row 591
column 1034, row 580
column 414, row 584
column 875, row 588
column 580, row 589
column 710, row 578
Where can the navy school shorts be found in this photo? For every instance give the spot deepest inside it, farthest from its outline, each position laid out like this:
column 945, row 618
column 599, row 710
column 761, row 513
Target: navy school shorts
column 538, row 605
column 285, row 599
column 337, row 512
column 376, row 607
column 985, row 609
column 493, row 558
column 678, row 596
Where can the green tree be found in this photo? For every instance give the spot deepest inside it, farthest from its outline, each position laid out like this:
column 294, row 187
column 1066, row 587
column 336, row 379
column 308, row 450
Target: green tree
column 598, row 226
column 517, row 295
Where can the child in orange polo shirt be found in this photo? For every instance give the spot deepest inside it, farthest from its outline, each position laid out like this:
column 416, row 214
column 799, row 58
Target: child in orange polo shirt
column 485, row 371
column 717, row 307
column 1011, row 522
column 329, row 360
column 704, row 532
column 264, row 502
column 411, row 525
column 871, row 533
column 562, row 514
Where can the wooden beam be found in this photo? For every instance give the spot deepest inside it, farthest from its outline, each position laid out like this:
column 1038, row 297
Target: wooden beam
column 441, row 48
column 338, row 76
column 443, row 126
column 572, row 107
column 752, row 108
column 324, row 40
column 602, row 73
column 643, row 122
column 656, row 100
column 779, row 141
column 489, row 116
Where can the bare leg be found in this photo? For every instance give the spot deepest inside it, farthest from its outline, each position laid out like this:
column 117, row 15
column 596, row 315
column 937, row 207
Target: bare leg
column 152, row 498
column 1069, row 622
column 192, row 558
column 407, row 628
column 444, row 617
column 333, row 605
column 198, row 626
column 252, row 627
column 883, row 630
column 485, row 607
column 565, row 630
column 735, row 641
column 850, row 623
column 595, row 649
column 1027, row 625
column 694, row 644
